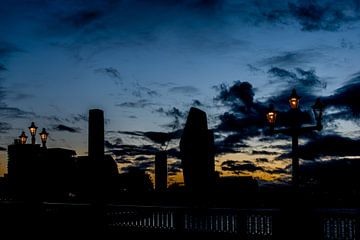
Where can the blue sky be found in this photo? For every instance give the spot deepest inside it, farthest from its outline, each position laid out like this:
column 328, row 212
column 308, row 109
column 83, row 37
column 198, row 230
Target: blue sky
column 145, row 63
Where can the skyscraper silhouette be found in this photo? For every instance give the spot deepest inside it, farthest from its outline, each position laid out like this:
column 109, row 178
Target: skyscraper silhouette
column 197, row 152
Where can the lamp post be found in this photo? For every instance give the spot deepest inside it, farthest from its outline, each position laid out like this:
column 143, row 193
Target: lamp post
column 44, row 135
column 23, row 138
column 295, row 128
column 32, row 130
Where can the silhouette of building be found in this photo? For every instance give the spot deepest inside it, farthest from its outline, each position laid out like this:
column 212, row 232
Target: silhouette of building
column 161, row 171
column 96, row 135
column 197, row 152
column 40, row 173
column 96, row 171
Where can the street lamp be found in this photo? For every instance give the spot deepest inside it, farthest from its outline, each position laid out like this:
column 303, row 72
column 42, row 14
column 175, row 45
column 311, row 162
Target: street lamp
column 294, row 100
column 32, row 129
column 271, row 116
column 23, row 138
column 44, row 135
column 295, row 128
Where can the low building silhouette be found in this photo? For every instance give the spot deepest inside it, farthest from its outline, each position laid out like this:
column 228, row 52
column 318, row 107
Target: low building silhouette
column 197, row 152
column 40, row 173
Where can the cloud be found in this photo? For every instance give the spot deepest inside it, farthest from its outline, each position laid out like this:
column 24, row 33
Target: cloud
column 329, row 145
column 290, row 58
column 2, row 67
column 142, row 103
column 2, row 149
column 82, row 18
column 13, row 112
column 261, row 160
column 196, row 103
column 345, row 100
column 112, row 73
column 299, row 78
column 186, row 90
column 313, row 16
column 156, row 137
column 173, row 113
column 238, row 167
column 263, row 152
column 63, row 128
column 5, row 127
column 142, row 158
column 7, row 48
column 133, row 150
column 140, row 90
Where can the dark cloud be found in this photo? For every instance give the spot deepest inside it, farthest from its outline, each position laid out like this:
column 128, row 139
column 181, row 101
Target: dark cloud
column 175, row 114
column 133, row 150
column 261, row 160
column 156, row 137
column 263, row 152
column 82, row 18
column 174, row 168
column 238, row 167
column 245, row 118
column 2, row 67
column 345, row 101
column 79, row 117
column 291, row 58
column 13, row 112
column 112, row 73
column 253, row 68
column 186, row 90
column 142, row 103
column 140, row 91
column 7, row 48
column 196, row 103
column 329, row 145
column 300, row 78
column 2, row 149
column 313, row 16
column 5, row 127
column 143, row 158
column 239, row 96
column 64, row 128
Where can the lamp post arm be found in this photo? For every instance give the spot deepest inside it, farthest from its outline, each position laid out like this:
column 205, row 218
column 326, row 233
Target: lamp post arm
column 286, row 131
column 310, row 128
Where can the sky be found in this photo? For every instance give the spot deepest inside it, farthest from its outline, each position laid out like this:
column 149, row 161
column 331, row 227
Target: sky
column 145, row 63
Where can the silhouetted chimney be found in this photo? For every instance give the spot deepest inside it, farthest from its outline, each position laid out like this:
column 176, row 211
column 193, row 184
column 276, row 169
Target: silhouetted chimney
column 96, row 135
column 161, row 171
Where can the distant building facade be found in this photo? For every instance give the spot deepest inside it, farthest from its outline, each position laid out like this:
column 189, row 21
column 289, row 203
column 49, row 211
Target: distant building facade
column 197, row 152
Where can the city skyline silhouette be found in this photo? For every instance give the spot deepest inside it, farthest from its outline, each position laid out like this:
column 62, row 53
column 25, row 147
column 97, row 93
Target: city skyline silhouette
column 181, row 116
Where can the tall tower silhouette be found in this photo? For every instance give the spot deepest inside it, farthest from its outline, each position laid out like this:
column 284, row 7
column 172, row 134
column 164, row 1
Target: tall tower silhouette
column 161, row 171
column 197, row 152
column 96, row 135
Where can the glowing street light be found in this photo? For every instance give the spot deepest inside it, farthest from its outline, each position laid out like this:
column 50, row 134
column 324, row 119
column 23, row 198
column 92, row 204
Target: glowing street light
column 44, row 135
column 294, row 100
column 23, row 138
column 32, row 130
column 295, row 128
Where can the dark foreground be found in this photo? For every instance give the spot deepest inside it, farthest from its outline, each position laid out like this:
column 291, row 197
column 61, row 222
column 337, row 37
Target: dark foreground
column 129, row 221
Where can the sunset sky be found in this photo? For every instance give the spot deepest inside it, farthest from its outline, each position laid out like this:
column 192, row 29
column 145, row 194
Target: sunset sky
column 145, row 63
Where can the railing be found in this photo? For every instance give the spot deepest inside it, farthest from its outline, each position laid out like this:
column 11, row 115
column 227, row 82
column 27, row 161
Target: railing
column 236, row 223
